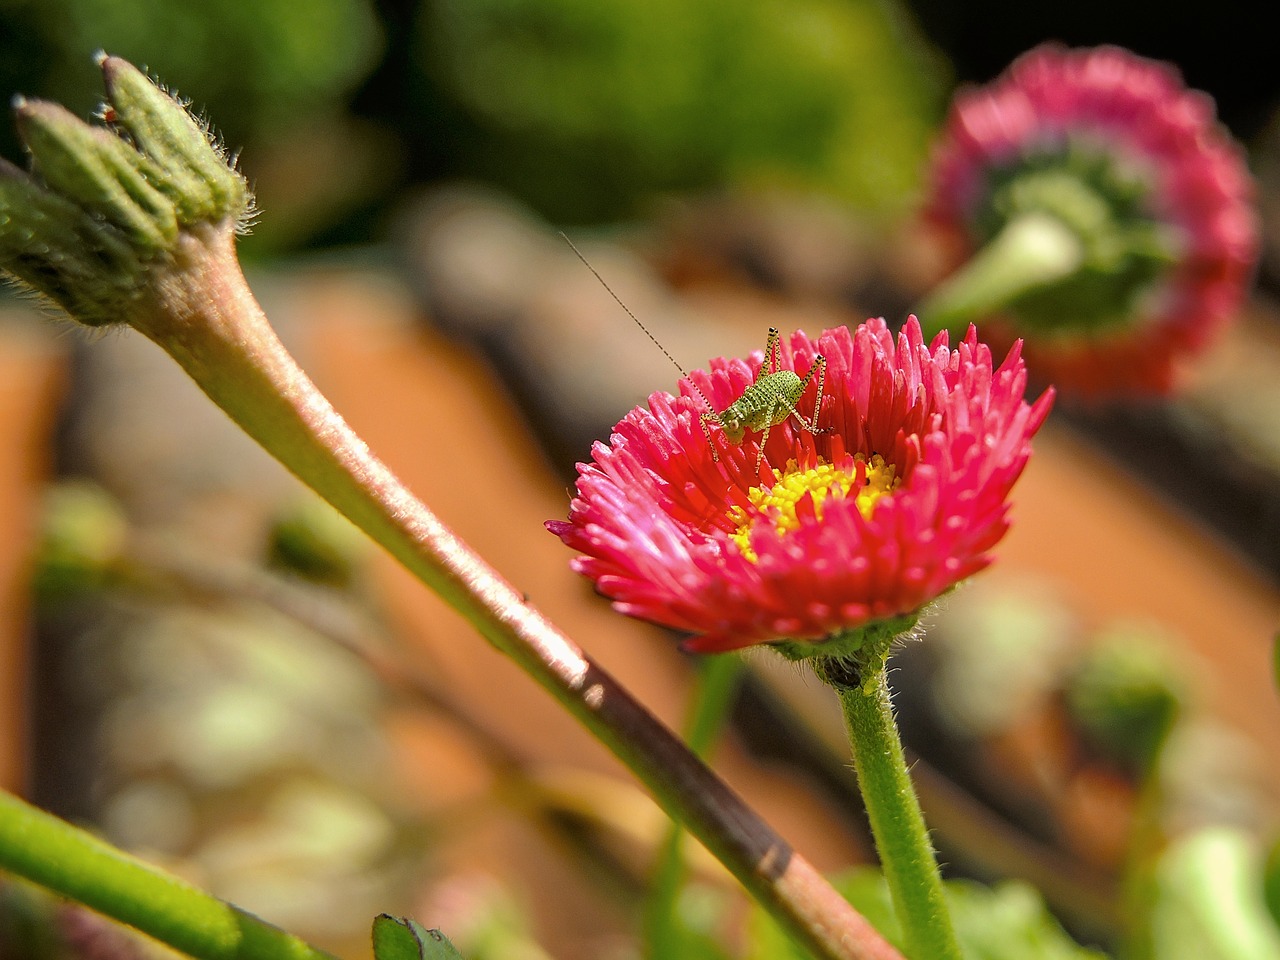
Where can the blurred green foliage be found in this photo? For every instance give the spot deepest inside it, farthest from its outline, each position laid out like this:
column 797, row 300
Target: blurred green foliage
column 1271, row 881
column 247, row 66
column 584, row 109
column 1205, row 900
column 1006, row 922
column 1126, row 694
column 584, row 106
column 82, row 533
column 26, row 929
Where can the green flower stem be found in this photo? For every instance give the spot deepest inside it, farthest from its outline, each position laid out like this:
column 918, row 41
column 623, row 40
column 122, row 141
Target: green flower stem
column 54, row 854
column 1033, row 250
column 200, row 310
column 718, row 677
column 902, row 840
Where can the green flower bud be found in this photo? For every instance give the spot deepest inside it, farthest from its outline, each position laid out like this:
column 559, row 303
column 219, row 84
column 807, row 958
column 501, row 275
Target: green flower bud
column 1126, row 695
column 83, row 531
column 104, row 206
column 313, row 541
column 98, row 171
column 191, row 168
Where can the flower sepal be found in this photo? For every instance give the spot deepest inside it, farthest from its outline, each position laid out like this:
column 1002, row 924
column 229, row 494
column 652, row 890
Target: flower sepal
column 865, row 644
column 191, row 170
column 1071, row 244
column 97, row 171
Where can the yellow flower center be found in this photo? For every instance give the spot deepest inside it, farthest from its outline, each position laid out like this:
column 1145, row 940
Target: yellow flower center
column 871, row 479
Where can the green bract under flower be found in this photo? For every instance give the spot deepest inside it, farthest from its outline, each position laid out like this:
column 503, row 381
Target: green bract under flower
column 1106, row 202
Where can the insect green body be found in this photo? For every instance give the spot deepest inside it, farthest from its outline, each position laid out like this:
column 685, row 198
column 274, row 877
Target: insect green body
column 764, row 405
column 767, row 402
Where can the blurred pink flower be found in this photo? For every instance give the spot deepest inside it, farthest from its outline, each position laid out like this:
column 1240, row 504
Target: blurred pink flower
column 1153, row 152
column 902, row 496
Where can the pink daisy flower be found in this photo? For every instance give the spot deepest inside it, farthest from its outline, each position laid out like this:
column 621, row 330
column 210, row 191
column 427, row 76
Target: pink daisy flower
column 1159, row 194
column 901, row 496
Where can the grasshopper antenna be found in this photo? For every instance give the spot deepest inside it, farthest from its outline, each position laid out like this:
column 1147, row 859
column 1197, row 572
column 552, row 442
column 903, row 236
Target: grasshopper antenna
column 769, row 401
column 684, row 373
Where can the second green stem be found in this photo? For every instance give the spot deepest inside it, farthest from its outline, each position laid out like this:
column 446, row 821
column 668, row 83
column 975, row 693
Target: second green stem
column 713, row 697
column 902, row 840
column 48, row 851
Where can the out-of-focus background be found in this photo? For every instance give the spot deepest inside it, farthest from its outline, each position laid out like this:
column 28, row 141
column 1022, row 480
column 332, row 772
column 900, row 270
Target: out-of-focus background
column 727, row 166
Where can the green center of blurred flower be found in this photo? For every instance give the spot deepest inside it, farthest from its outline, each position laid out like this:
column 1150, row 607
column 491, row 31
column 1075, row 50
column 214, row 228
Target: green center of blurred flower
column 1105, row 201
column 797, row 493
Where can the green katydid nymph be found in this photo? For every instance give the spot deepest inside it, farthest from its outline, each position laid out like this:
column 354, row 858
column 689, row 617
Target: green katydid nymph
column 765, row 404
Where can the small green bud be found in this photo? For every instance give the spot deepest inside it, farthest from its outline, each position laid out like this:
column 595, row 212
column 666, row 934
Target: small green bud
column 192, row 171
column 312, row 540
column 97, row 170
column 1126, row 695
column 83, row 533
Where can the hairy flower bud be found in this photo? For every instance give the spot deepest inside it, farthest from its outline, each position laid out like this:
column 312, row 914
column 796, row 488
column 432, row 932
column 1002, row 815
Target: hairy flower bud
column 192, row 171
column 104, row 205
column 97, row 170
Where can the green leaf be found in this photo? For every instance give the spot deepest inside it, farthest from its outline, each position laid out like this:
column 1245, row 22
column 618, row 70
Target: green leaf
column 1009, row 922
column 397, row 938
column 1207, row 901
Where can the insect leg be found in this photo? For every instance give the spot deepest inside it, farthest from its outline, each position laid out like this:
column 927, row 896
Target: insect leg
column 820, row 368
column 779, row 406
column 707, row 432
column 764, row 438
column 771, row 350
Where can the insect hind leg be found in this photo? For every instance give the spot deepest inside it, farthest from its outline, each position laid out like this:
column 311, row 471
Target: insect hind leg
column 764, row 441
column 706, row 431
column 811, row 425
column 771, row 349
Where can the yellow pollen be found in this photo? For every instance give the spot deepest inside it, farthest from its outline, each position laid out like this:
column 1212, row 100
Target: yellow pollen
column 871, row 478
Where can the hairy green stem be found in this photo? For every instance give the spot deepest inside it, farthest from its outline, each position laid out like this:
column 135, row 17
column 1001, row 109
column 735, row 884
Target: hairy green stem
column 718, row 677
column 52, row 853
column 902, row 840
column 202, row 313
